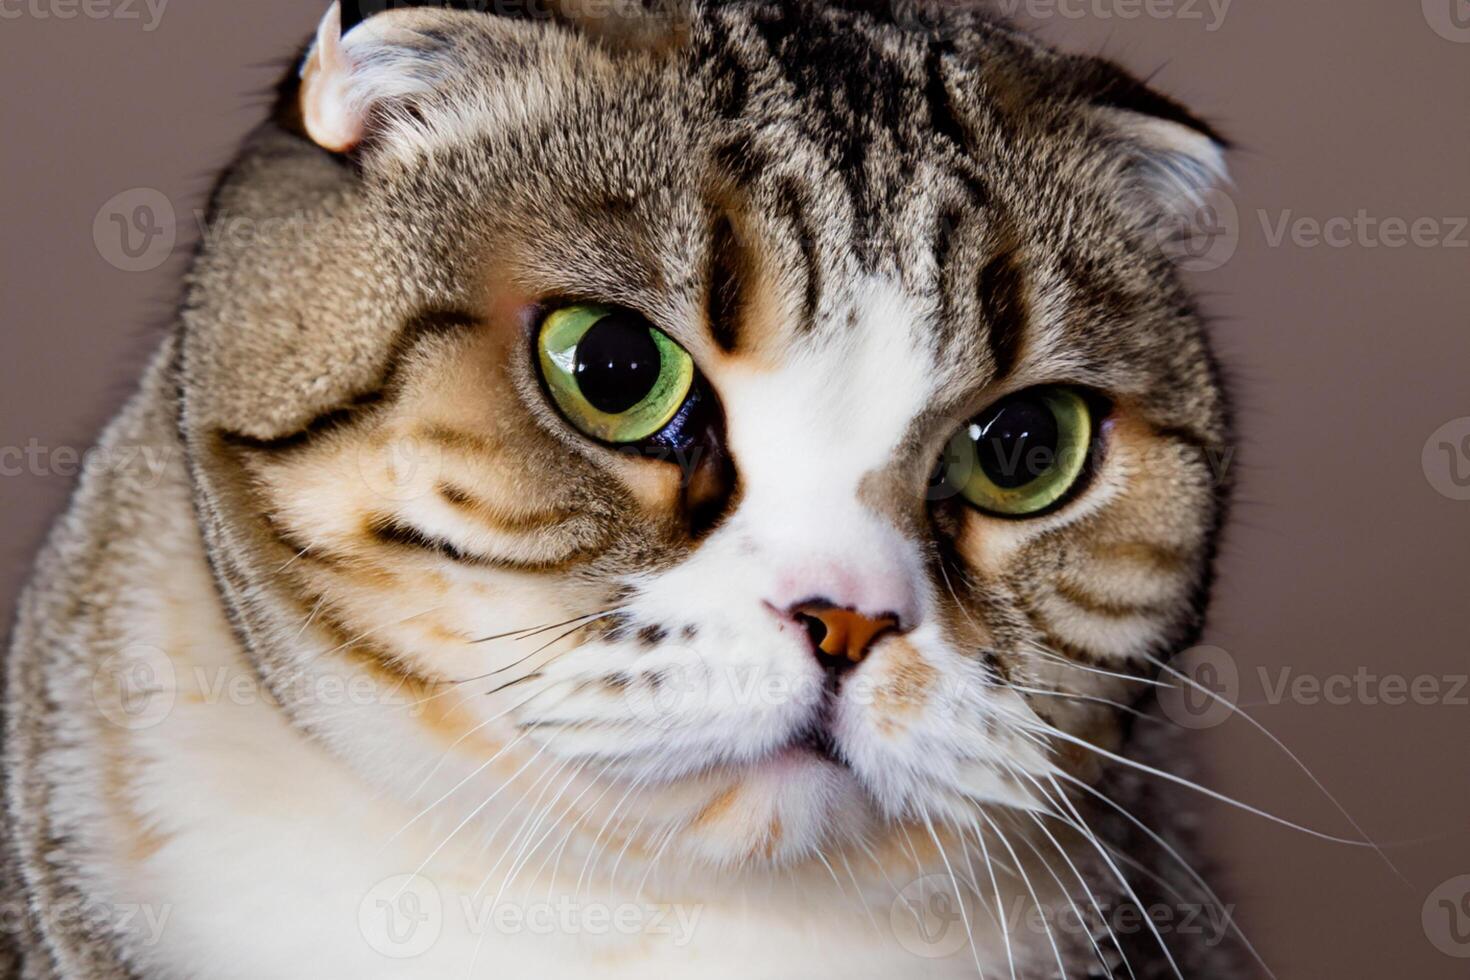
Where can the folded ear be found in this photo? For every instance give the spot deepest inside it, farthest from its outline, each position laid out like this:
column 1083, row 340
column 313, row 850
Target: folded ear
column 1171, row 157
column 383, row 61
column 345, row 78
column 1171, row 164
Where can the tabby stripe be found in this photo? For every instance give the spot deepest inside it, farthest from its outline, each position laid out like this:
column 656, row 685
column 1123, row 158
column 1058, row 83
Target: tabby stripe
column 1161, row 557
column 792, row 203
column 353, row 645
column 728, row 270
column 1063, row 648
column 941, row 109
column 946, row 238
column 414, row 330
column 741, row 161
column 1098, row 606
column 1189, row 437
column 505, row 524
column 328, row 421
column 389, row 530
column 1003, row 304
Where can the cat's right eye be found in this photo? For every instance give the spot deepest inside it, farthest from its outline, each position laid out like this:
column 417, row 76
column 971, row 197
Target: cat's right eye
column 614, row 376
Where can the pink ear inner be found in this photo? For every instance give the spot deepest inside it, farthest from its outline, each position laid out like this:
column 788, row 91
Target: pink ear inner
column 334, row 118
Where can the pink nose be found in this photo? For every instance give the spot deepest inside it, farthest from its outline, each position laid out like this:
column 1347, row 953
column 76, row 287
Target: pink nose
column 841, row 638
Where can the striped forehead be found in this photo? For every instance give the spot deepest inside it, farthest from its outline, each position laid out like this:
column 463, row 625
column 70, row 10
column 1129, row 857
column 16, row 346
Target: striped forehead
column 856, row 176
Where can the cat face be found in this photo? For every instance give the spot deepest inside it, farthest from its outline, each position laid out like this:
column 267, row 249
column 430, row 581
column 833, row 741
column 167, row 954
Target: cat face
column 792, row 423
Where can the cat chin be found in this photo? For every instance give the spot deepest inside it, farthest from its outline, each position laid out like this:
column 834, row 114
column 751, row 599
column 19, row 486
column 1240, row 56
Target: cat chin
column 778, row 812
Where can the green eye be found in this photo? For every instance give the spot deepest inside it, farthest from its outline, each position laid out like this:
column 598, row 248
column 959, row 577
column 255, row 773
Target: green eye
column 613, row 374
column 1024, row 453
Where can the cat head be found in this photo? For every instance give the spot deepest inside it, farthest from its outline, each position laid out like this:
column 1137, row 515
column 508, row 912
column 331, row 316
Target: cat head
column 783, row 412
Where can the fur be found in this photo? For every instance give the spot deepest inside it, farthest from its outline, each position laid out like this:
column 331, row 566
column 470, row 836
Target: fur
column 387, row 614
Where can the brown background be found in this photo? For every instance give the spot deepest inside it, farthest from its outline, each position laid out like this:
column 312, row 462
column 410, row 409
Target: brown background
column 1342, row 556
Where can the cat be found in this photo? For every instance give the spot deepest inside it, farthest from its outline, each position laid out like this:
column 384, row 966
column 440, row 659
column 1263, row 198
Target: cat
column 692, row 489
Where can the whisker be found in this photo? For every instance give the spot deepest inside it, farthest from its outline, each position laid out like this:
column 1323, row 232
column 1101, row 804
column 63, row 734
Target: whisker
column 455, row 744
column 478, row 810
column 1091, row 897
column 1000, row 907
column 1091, row 837
column 858, row 888
column 530, row 631
column 592, row 852
column 959, row 898
column 1089, row 669
column 1172, row 852
column 1067, row 695
column 459, row 785
column 1204, row 790
column 1289, row 754
column 1030, row 889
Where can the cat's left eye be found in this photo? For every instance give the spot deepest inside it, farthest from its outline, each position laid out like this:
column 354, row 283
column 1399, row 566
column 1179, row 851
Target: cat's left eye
column 614, row 375
column 1024, row 455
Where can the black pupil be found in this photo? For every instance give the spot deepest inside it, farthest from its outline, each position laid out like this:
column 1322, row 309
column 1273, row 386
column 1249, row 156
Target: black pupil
column 618, row 363
column 1017, row 442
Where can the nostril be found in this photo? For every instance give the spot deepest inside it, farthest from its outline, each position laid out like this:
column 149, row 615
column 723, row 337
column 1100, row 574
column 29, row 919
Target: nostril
column 815, row 628
column 840, row 637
